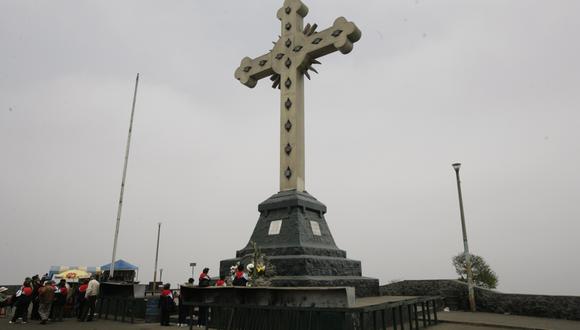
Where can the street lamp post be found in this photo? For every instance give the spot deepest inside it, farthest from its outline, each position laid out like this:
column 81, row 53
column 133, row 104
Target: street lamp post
column 192, row 265
column 456, row 167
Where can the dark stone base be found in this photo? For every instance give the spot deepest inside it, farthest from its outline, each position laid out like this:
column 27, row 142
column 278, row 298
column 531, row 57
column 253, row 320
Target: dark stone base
column 300, row 256
column 364, row 286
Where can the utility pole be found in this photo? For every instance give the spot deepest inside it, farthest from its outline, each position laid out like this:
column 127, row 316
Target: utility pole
column 120, row 207
column 470, row 285
column 156, row 258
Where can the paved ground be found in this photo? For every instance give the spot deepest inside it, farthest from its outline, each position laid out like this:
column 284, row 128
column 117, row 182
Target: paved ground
column 74, row 325
column 452, row 321
column 500, row 321
column 449, row 326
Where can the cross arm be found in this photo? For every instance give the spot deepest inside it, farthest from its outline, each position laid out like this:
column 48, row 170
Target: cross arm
column 341, row 36
column 252, row 70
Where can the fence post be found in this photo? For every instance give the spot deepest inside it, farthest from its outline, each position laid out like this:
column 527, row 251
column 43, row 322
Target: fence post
column 191, row 308
column 100, row 307
column 116, row 308
column 133, row 310
column 401, row 318
column 410, row 314
column 423, row 313
column 435, row 311
column 416, row 315
column 394, row 312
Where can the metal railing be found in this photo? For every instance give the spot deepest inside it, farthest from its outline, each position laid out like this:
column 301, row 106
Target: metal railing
column 412, row 313
column 120, row 309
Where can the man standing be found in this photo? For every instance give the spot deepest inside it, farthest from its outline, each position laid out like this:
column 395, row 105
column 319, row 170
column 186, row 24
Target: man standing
column 45, row 299
column 60, row 295
column 166, row 304
column 91, row 296
column 204, row 279
column 204, row 282
column 23, row 297
column 81, row 301
column 36, row 284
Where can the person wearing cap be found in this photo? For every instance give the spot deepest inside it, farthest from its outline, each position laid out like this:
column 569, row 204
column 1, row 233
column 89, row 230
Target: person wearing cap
column 3, row 297
column 4, row 300
column 45, row 299
column 23, row 297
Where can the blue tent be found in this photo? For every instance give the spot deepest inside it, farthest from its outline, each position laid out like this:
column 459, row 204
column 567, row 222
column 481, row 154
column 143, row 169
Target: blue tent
column 120, row 265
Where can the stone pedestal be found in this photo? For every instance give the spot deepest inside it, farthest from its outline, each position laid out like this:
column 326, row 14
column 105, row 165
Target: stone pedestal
column 293, row 233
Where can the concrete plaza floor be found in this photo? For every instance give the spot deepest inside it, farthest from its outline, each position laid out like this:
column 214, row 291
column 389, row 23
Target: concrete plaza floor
column 449, row 321
column 472, row 321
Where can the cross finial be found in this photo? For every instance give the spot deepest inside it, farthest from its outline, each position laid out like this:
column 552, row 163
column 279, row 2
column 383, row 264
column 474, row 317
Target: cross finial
column 296, row 50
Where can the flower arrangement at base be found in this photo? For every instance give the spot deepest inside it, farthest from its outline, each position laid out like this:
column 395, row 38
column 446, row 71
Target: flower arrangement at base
column 260, row 271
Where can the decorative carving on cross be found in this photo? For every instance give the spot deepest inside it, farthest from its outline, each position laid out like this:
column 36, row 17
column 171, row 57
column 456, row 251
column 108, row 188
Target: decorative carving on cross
column 293, row 55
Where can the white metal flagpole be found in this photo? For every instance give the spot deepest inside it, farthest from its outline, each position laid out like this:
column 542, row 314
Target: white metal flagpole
column 120, row 207
column 157, row 259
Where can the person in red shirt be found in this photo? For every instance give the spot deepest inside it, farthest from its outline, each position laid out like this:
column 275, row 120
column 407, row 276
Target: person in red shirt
column 81, row 300
column 240, row 277
column 61, row 294
column 23, row 297
column 166, row 304
column 221, row 281
column 204, row 279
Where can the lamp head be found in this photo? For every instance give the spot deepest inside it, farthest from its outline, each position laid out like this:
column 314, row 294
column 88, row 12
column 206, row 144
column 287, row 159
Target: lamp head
column 456, row 166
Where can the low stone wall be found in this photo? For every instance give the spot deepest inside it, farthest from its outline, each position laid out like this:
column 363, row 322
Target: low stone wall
column 454, row 295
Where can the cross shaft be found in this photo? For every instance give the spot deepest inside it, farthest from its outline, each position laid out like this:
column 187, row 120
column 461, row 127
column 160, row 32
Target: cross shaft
column 287, row 64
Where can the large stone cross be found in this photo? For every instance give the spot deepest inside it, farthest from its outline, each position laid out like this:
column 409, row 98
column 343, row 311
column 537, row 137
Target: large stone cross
column 287, row 64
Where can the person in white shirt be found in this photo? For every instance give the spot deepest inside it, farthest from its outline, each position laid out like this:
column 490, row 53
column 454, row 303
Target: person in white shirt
column 91, row 295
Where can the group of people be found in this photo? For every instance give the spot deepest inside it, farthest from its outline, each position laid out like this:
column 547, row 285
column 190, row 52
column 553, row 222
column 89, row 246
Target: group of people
column 167, row 299
column 48, row 300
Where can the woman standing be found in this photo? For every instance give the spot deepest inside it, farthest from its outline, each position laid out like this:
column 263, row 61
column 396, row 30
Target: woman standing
column 166, row 304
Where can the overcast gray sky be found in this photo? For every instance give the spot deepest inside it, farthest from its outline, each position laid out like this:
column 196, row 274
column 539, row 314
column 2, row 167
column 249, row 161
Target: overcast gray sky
column 493, row 84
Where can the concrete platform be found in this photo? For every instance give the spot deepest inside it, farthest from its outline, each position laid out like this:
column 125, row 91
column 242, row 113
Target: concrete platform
column 373, row 301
